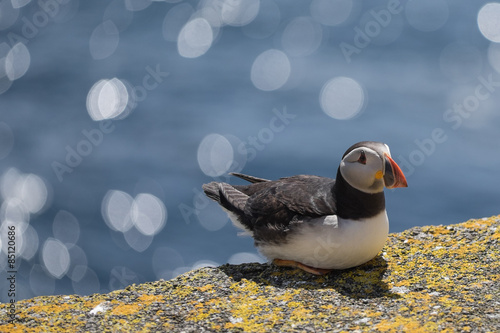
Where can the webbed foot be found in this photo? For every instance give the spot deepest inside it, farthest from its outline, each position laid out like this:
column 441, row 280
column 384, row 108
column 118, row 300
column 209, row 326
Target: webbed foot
column 306, row 268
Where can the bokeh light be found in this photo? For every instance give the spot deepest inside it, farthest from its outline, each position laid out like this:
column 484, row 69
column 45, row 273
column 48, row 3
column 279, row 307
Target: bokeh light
column 33, row 193
column 213, row 16
column 17, row 61
column 215, row 155
column 20, row 228
column 270, row 70
column 77, row 272
column 115, row 210
column 5, row 82
column 8, row 183
column 107, row 99
column 104, row 40
column 14, row 211
column 195, row 38
column 331, row 12
column 239, row 12
column 19, row 3
column 139, row 218
column 30, row 191
column 78, row 263
column 148, row 214
column 23, row 195
column 66, row 228
column 302, row 36
column 175, row 19
column 488, row 21
column 55, row 257
column 427, row 15
column 342, row 98
column 29, row 242
column 151, row 186
column 137, row 240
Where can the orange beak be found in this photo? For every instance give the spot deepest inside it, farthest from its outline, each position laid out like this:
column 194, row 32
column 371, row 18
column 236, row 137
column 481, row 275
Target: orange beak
column 393, row 176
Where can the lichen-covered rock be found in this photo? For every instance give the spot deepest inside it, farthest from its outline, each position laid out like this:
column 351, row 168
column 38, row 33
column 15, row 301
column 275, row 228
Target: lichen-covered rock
column 438, row 278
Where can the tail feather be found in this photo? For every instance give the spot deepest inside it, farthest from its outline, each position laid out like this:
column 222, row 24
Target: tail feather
column 248, row 178
column 233, row 201
column 226, row 195
column 212, row 191
column 236, row 199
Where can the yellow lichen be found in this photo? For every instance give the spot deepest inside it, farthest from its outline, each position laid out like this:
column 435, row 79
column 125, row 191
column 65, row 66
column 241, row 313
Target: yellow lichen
column 125, row 309
column 148, row 299
column 442, row 275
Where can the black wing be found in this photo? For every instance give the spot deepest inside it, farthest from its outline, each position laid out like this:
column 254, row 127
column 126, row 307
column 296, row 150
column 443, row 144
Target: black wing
column 301, row 195
column 270, row 209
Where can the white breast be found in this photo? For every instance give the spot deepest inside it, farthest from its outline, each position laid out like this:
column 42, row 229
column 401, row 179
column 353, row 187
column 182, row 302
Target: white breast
column 333, row 244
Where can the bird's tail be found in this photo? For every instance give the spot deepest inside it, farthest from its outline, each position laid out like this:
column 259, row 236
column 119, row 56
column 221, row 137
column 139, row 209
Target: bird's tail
column 226, row 195
column 232, row 200
column 212, row 191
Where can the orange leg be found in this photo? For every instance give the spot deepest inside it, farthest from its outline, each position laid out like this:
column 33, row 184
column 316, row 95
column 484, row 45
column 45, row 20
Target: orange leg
column 309, row 269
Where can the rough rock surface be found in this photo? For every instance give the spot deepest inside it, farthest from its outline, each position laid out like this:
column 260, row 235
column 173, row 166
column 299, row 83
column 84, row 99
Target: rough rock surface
column 437, row 278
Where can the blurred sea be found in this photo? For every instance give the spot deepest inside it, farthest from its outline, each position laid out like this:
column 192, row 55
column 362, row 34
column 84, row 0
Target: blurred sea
column 114, row 113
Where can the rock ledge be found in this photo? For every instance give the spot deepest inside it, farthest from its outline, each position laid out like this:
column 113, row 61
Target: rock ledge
column 436, row 278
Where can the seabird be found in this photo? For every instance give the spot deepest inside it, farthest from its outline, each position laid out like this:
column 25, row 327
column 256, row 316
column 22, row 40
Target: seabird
column 317, row 223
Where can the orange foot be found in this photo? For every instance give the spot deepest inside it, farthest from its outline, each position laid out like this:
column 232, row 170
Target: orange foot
column 309, row 269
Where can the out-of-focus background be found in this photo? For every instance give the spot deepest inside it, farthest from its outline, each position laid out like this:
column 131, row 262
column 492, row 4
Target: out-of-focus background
column 114, row 113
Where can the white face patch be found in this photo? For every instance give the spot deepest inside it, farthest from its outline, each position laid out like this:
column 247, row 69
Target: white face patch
column 362, row 176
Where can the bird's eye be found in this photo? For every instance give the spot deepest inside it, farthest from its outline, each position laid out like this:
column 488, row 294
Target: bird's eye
column 362, row 157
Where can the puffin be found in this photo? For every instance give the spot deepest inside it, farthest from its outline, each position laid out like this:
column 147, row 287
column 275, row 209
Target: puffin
column 317, row 224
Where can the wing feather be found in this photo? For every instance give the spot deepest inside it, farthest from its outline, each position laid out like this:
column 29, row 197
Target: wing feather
column 248, row 178
column 303, row 195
